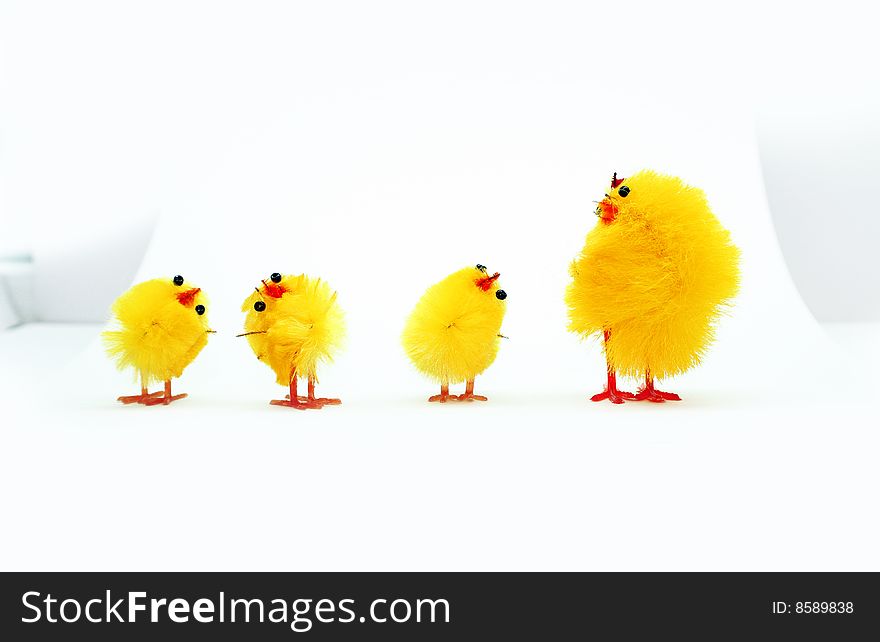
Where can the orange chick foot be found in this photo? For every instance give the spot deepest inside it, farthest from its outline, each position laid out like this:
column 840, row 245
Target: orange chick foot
column 141, row 398
column 163, row 400
column 469, row 396
column 301, row 403
column 443, row 397
column 323, row 401
column 656, row 396
column 614, row 396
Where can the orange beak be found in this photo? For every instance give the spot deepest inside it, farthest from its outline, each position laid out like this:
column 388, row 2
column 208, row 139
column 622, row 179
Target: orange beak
column 188, row 297
column 486, row 282
column 607, row 210
column 274, row 290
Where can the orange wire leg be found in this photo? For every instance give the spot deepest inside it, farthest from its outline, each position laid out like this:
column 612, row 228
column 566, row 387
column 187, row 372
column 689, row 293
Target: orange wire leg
column 611, row 393
column 649, row 393
column 324, row 401
column 166, row 397
column 444, row 395
column 141, row 398
column 293, row 400
column 469, row 393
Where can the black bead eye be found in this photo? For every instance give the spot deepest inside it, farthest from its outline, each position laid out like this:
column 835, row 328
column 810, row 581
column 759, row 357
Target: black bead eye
column 259, row 306
column 178, row 280
column 276, row 278
column 200, row 309
column 500, row 295
column 481, row 268
column 623, row 191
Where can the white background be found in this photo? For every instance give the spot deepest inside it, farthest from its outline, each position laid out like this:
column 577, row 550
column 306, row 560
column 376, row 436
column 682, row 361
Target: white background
column 110, row 110
column 382, row 147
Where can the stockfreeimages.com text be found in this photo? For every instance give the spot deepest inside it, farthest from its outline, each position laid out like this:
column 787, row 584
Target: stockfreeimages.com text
column 300, row 614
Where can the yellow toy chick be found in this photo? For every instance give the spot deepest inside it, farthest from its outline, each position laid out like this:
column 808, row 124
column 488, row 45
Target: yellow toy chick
column 293, row 325
column 161, row 328
column 452, row 335
column 656, row 272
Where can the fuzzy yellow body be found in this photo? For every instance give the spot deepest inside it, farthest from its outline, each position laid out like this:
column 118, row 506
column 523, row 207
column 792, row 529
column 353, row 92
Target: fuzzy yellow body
column 656, row 277
column 452, row 335
column 299, row 329
column 156, row 335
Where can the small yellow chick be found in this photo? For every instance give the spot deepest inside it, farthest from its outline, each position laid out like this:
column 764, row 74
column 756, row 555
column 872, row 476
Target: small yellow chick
column 452, row 335
column 161, row 328
column 656, row 272
column 293, row 325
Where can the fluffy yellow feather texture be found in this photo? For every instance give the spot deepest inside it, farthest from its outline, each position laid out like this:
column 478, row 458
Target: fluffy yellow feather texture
column 300, row 329
column 657, row 276
column 452, row 334
column 156, row 334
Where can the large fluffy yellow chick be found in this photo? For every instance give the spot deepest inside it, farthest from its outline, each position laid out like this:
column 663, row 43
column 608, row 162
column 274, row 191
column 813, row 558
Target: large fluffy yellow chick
column 654, row 276
column 293, row 325
column 161, row 328
column 452, row 334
